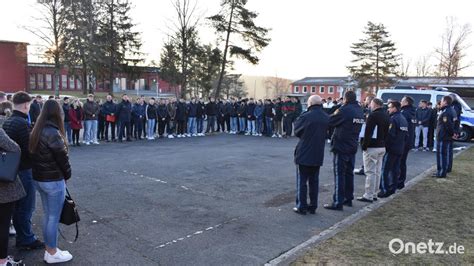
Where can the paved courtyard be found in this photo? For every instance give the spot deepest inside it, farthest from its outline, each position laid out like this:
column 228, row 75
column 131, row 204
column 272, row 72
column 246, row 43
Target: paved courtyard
column 217, row 200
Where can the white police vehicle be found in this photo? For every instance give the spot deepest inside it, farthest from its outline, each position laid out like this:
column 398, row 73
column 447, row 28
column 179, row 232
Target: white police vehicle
column 434, row 96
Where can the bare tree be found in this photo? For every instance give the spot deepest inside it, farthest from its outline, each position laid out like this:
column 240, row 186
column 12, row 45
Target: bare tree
column 49, row 28
column 423, row 66
column 453, row 50
column 404, row 67
column 276, row 86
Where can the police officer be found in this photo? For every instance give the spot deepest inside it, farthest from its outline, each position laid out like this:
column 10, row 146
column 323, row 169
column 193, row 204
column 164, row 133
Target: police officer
column 346, row 122
column 311, row 128
column 456, row 109
column 394, row 146
column 445, row 130
column 408, row 111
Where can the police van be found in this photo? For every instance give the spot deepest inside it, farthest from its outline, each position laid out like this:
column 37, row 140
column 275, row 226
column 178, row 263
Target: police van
column 434, row 96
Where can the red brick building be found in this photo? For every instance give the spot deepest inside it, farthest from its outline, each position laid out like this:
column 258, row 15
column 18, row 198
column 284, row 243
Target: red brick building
column 17, row 74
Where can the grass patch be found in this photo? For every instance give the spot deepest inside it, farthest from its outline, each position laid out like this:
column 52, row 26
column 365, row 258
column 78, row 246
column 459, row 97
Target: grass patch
column 437, row 209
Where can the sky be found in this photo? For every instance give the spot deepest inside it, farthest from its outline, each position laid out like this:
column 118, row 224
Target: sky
column 309, row 37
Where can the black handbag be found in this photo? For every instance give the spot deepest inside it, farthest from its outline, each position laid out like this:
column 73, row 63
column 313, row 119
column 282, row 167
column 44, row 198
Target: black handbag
column 9, row 163
column 69, row 214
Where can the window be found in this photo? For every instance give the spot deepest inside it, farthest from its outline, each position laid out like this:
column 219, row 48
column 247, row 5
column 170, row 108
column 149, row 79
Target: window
column 321, row 89
column 72, row 85
column 63, row 82
column 297, row 89
column 40, row 82
column 331, row 89
column 305, row 89
column 313, row 89
column 398, row 96
column 79, row 84
column 32, row 81
column 48, row 82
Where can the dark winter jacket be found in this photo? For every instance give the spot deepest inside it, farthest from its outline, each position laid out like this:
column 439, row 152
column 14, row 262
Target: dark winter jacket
column 109, row 108
column 445, row 128
column 288, row 109
column 242, row 110
column 66, row 112
column 233, row 110
column 35, row 110
column 311, row 129
column 346, row 122
column 409, row 113
column 278, row 111
column 258, row 112
column 228, row 108
column 151, row 111
column 91, row 110
column 211, row 109
column 200, row 110
column 377, row 119
column 10, row 191
column 181, row 112
column 192, row 109
column 17, row 128
column 423, row 116
column 397, row 134
column 268, row 110
column 163, row 112
column 124, row 111
column 250, row 111
column 51, row 159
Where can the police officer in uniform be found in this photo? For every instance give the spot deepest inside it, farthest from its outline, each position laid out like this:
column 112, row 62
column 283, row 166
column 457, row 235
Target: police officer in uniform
column 311, row 129
column 456, row 109
column 347, row 122
column 394, row 146
column 445, row 130
column 408, row 111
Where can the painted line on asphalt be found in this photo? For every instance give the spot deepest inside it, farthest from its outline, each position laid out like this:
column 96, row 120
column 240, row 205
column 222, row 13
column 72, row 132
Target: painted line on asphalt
column 197, row 233
column 291, row 255
column 183, row 188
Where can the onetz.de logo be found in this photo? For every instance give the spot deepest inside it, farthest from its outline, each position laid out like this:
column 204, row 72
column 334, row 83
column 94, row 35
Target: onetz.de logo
column 397, row 246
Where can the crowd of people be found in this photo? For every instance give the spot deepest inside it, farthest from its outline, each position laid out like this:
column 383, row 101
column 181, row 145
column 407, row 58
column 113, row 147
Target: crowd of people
column 386, row 134
column 43, row 131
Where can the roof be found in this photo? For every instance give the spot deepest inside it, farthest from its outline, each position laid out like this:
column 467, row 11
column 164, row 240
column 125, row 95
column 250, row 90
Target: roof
column 143, row 68
column 466, row 82
column 4, row 41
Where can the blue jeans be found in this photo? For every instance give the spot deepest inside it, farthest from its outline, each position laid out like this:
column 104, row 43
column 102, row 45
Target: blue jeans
column 67, row 128
column 52, row 196
column 90, row 127
column 199, row 123
column 211, row 121
column 233, row 124
column 24, row 210
column 269, row 122
column 251, row 126
column 192, row 125
column 259, row 125
column 242, row 124
column 150, row 128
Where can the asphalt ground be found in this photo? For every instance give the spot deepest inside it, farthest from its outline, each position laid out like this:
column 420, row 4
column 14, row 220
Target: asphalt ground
column 215, row 200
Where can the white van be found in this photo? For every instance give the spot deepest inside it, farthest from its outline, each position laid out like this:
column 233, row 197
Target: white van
column 434, row 96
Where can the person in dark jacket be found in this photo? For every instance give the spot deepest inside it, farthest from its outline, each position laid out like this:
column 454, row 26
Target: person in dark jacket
column 250, row 118
column 51, row 169
column 311, row 129
column 35, row 109
column 234, row 119
column 278, row 118
column 192, row 113
column 151, row 114
column 200, row 112
column 220, row 116
column 347, row 122
column 10, row 193
column 242, row 114
column 408, row 111
column 395, row 146
column 18, row 129
column 288, row 109
column 423, row 116
column 163, row 117
column 456, row 109
column 211, row 113
column 227, row 111
column 109, row 111
column 432, row 124
column 171, row 119
column 445, row 131
column 269, row 114
column 91, row 113
column 67, row 123
column 76, row 116
column 181, row 118
column 138, row 116
column 124, row 115
column 258, row 113
column 373, row 148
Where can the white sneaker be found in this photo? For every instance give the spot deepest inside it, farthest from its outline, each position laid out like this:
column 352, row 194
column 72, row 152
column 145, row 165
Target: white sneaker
column 194, row 135
column 88, row 143
column 247, row 134
column 274, row 136
column 170, row 137
column 12, row 230
column 188, row 135
column 60, row 256
column 96, row 142
column 329, row 141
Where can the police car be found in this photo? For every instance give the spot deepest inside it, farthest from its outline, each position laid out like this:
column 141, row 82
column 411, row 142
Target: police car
column 434, row 96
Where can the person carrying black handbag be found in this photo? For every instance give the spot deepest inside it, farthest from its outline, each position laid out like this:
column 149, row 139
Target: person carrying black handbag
column 51, row 169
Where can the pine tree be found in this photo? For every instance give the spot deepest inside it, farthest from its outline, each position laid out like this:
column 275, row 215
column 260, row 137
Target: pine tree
column 375, row 60
column 169, row 65
column 236, row 20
